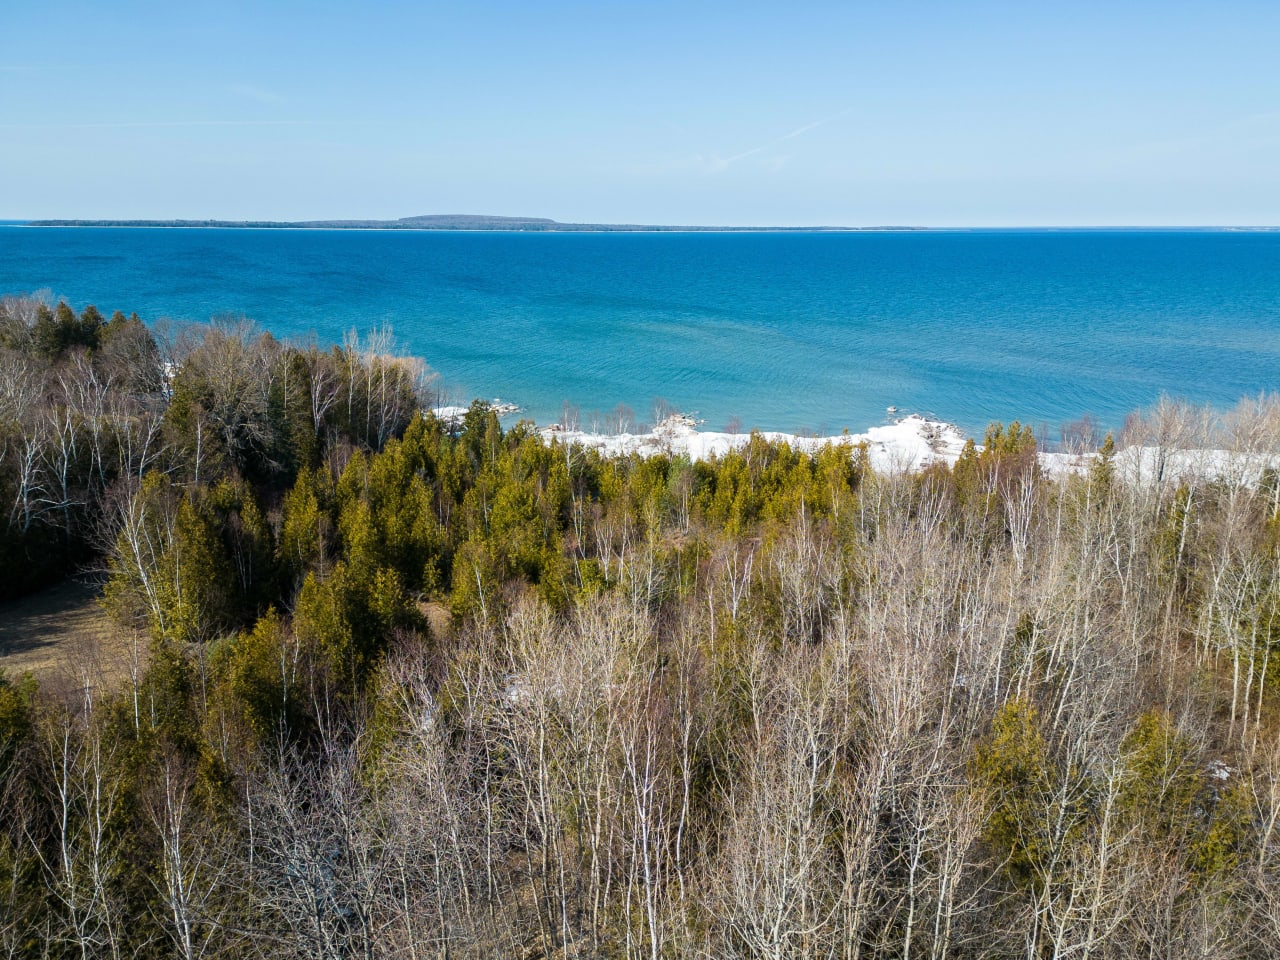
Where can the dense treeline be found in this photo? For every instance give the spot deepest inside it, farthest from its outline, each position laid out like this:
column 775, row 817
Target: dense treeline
column 89, row 407
column 421, row 690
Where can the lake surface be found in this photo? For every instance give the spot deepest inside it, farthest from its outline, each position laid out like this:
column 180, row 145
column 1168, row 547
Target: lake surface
column 805, row 331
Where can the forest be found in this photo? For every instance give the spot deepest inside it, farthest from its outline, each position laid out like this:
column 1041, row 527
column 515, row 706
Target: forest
column 409, row 689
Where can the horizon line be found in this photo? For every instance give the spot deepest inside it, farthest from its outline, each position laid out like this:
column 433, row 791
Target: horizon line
column 474, row 223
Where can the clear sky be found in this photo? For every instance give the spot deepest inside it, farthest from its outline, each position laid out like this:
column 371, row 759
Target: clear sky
column 736, row 113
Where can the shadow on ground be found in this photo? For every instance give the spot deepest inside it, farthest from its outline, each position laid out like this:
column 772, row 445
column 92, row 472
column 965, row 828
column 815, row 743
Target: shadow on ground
column 64, row 637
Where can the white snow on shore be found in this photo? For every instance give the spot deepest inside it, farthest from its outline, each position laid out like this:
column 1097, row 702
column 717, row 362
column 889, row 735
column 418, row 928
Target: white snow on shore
column 452, row 416
column 913, row 442
column 908, row 444
column 1161, row 465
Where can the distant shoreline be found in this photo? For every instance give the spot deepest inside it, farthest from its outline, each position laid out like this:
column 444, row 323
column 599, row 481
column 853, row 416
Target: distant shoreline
column 454, row 223
column 448, row 223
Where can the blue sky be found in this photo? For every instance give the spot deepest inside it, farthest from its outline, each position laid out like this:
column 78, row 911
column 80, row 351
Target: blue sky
column 941, row 114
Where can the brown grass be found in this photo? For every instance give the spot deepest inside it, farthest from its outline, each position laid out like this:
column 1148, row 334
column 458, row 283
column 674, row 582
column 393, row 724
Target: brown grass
column 439, row 619
column 64, row 638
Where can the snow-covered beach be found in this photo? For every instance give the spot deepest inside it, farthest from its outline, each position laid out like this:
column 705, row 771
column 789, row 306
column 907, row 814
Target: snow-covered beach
column 907, row 444
column 910, row 443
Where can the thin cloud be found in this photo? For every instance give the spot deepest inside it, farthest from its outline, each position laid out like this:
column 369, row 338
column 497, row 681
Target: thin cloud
column 717, row 164
column 809, row 126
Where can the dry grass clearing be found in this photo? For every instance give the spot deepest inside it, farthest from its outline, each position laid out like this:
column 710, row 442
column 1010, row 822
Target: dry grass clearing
column 439, row 619
column 63, row 636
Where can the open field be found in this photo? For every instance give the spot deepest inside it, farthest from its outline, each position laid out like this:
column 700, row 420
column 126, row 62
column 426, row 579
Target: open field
column 60, row 635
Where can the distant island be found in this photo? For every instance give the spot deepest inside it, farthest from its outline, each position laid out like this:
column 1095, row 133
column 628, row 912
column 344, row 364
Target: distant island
column 449, row 221
column 468, row 221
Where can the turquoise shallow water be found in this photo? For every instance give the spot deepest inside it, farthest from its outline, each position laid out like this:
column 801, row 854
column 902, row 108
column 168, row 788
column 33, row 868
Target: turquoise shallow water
column 782, row 331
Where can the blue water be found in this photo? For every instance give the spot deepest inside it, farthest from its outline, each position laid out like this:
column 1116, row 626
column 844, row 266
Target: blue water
column 781, row 331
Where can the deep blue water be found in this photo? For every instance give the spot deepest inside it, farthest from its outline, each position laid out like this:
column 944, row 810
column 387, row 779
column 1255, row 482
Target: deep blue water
column 783, row 331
